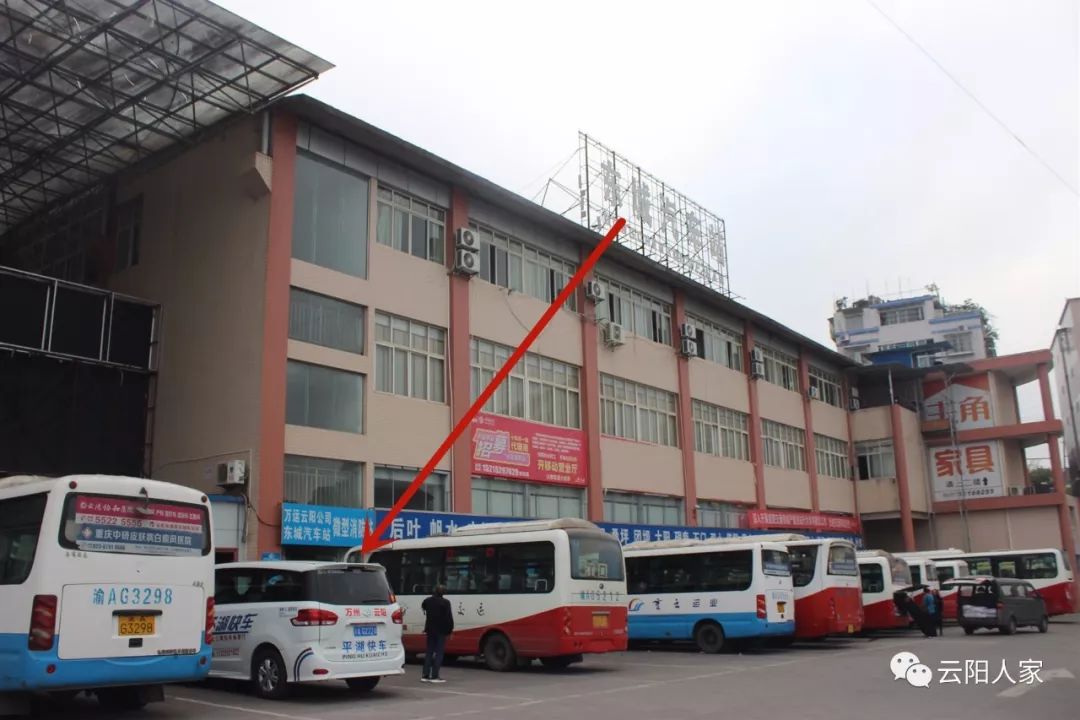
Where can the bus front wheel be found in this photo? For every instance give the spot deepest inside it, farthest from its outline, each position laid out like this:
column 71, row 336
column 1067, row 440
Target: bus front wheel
column 499, row 653
column 709, row 637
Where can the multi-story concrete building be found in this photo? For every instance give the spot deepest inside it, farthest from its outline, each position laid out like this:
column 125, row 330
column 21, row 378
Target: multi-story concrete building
column 318, row 337
column 918, row 331
column 1067, row 372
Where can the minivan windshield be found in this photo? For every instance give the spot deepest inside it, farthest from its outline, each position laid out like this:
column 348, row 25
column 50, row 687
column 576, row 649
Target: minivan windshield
column 349, row 586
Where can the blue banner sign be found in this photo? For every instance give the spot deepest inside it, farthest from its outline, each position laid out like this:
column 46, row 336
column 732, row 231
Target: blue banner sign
column 344, row 527
column 323, row 526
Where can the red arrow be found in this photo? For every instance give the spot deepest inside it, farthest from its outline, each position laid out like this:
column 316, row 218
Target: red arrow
column 373, row 540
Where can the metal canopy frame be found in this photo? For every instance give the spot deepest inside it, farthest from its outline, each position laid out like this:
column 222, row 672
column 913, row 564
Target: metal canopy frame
column 90, row 87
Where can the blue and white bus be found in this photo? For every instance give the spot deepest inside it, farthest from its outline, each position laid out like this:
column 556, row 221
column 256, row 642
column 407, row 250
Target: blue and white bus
column 709, row 591
column 106, row 585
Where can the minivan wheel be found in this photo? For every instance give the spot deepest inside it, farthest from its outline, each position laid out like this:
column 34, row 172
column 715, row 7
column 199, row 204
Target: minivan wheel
column 268, row 676
column 1010, row 627
column 499, row 654
column 1044, row 624
column 362, row 684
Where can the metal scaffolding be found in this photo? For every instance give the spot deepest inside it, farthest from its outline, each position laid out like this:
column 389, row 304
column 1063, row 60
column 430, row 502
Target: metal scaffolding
column 90, row 87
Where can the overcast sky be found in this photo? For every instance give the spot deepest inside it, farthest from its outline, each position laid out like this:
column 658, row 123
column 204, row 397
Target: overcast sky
column 839, row 156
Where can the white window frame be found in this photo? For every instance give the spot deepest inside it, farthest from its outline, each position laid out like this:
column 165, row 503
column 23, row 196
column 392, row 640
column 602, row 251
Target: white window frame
column 901, row 315
column 671, row 508
column 832, row 456
column 715, row 513
column 528, row 496
column 529, row 269
column 439, row 481
column 721, row 431
column 635, row 311
column 539, row 389
column 311, row 472
column 783, row 446
column 400, row 206
column 717, row 343
column 403, row 381
column 885, row 454
column 828, row 386
column 638, row 412
column 965, row 346
column 781, row 368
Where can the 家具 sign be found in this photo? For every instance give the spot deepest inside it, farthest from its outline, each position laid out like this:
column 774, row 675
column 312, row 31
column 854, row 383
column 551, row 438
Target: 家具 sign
column 970, row 471
column 521, row 450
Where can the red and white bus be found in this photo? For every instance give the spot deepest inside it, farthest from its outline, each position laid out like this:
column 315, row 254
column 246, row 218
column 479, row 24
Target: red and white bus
column 1046, row 568
column 882, row 574
column 828, row 598
column 551, row 590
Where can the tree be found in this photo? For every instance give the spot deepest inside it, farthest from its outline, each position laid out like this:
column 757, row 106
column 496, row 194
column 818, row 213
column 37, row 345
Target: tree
column 1041, row 479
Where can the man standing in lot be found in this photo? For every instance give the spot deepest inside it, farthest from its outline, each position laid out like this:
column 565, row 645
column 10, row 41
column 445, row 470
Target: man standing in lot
column 438, row 624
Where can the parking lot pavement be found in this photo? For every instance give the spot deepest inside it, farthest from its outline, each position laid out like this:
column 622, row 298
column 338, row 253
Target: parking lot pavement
column 837, row 679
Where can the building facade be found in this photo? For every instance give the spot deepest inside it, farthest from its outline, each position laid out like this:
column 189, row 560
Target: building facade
column 1067, row 373
column 917, row 331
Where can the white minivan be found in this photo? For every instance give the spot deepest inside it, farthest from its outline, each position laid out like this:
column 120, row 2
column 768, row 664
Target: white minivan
column 287, row 622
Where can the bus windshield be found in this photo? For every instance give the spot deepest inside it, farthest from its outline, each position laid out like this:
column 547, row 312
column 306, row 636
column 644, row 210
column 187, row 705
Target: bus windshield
column 775, row 562
column 842, row 560
column 803, row 562
column 134, row 526
column 901, row 573
column 595, row 558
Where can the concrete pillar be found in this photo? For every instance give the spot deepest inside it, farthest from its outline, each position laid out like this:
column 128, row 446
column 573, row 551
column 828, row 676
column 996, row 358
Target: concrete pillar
column 686, row 415
column 460, row 389
column 903, row 490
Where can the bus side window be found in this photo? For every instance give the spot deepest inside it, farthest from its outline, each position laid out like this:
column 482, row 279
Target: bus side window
column 20, row 525
column 1040, row 566
column 1006, row 569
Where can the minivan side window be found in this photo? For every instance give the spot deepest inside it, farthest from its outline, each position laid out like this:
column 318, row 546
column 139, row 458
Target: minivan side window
column 20, row 526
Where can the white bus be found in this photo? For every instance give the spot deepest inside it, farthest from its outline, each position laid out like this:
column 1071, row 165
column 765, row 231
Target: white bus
column 923, row 570
column 546, row 589
column 947, row 567
column 107, row 587
column 828, row 594
column 882, row 575
column 1046, row 568
column 709, row 591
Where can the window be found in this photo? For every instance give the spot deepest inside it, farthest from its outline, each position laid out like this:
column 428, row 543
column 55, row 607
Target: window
column 257, row 585
column 720, row 514
column 775, row 562
column 128, row 233
column 642, row 509
column 637, row 412
column 803, row 564
column 828, row 386
column 780, row 368
column 873, row 578
column 916, row 575
column 595, row 558
column 718, row 344
column 875, row 459
column 960, row 342
column 325, row 321
column 721, row 431
column 1042, row 566
column 410, row 225
column 510, row 263
column 20, row 526
column 322, row 397
column 499, row 569
column 784, row 445
column 330, row 216
column 895, row 316
column 391, row 483
column 639, row 313
column 319, row 481
column 842, row 560
column 135, row 531
column 945, row 573
column 832, row 456
column 410, row 358
column 716, row 571
column 513, row 498
column 538, row 388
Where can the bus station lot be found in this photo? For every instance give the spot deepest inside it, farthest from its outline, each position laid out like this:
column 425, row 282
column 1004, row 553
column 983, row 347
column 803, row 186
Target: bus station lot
column 843, row 678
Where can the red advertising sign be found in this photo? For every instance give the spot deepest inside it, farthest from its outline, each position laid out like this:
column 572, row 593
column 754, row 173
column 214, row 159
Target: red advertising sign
column 522, row 450
column 796, row 520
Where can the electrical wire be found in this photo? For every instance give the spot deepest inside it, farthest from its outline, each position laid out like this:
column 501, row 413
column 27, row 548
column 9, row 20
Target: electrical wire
column 1001, row 123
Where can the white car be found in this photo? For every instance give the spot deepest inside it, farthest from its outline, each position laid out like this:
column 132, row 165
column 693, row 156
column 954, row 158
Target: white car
column 286, row 622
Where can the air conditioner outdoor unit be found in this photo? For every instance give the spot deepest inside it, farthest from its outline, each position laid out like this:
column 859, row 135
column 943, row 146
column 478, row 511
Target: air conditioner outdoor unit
column 594, row 290
column 466, row 262
column 688, row 346
column 1014, row 490
column 467, row 240
column 853, row 401
column 613, row 334
column 756, row 356
column 814, row 393
column 687, row 330
column 757, row 369
column 232, row 473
